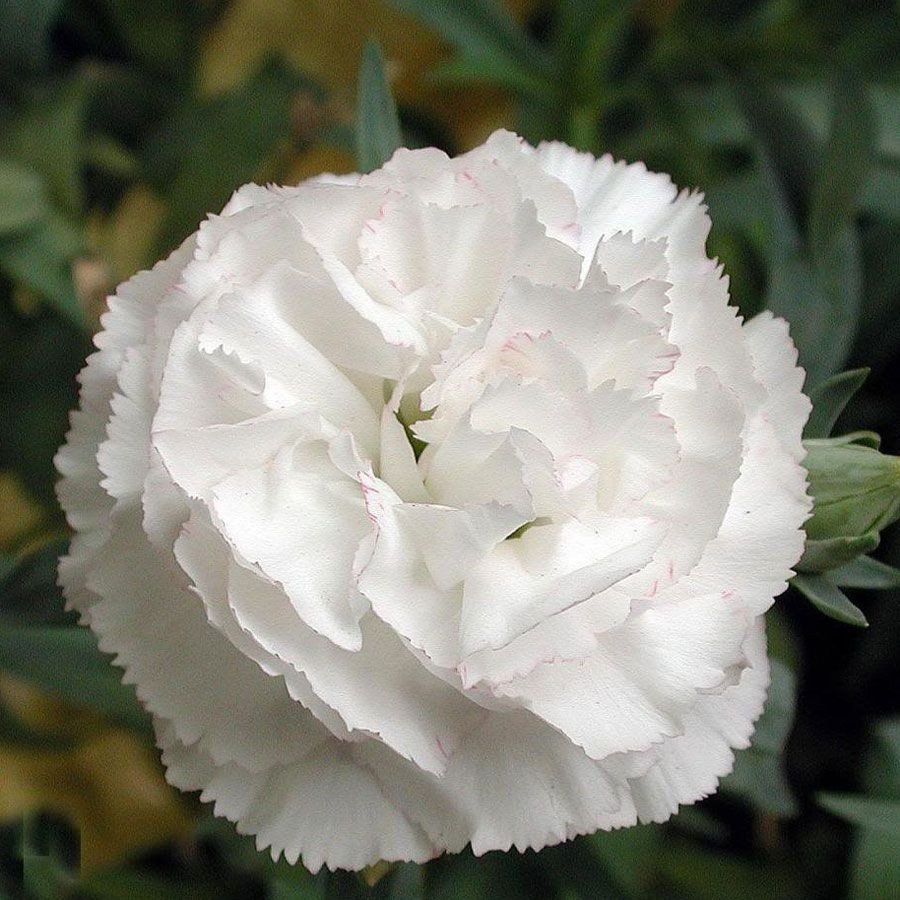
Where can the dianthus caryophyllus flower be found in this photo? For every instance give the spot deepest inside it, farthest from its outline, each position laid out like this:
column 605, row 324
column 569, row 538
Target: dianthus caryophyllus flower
column 439, row 505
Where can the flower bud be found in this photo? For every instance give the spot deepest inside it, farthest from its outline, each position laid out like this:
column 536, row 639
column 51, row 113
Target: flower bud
column 856, row 490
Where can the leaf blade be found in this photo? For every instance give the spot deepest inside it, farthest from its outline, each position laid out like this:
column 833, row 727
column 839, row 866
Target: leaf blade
column 377, row 123
column 829, row 599
column 829, row 400
column 866, row 812
column 867, row 574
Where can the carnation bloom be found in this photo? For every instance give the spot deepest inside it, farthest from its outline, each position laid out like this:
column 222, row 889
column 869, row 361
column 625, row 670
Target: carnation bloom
column 439, row 505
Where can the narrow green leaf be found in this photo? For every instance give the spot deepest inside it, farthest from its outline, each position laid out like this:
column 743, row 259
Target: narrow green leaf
column 829, row 599
column 867, row 812
column 820, row 299
column 829, row 400
column 130, row 884
column 377, row 123
column 211, row 148
column 66, row 662
column 758, row 773
column 881, row 192
column 845, row 167
column 866, row 573
column 15, row 732
column 875, row 866
column 22, row 200
column 503, row 71
column 41, row 259
column 47, row 136
column 862, row 438
column 482, row 29
column 823, row 555
column 788, row 150
column 29, row 594
column 819, row 294
column 838, row 269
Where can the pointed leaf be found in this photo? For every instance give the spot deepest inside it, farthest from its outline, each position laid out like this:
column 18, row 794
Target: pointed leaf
column 829, row 400
column 479, row 28
column 22, row 200
column 867, row 812
column 377, row 124
column 829, row 599
column 866, row 573
column 822, row 555
column 844, row 170
column 210, row 147
column 66, row 662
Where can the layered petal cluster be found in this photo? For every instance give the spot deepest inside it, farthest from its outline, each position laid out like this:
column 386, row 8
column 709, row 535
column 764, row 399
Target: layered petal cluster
column 439, row 505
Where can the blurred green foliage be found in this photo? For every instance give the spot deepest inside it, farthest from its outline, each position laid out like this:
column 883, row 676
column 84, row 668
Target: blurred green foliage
column 119, row 132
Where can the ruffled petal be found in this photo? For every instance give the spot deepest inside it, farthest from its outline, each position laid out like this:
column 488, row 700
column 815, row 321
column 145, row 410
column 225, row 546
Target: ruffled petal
column 323, row 809
column 300, row 520
column 183, row 669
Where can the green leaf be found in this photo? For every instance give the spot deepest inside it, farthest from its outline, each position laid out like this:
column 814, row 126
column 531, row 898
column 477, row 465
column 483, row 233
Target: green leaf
column 818, row 293
column 866, row 812
column 22, row 200
column 881, row 192
column 24, row 29
column 758, row 773
column 875, row 866
column 66, row 662
column 481, row 29
column 377, row 124
column 829, row 554
column 628, row 854
column 29, row 595
column 838, row 270
column 127, row 884
column 829, row 400
column 829, row 599
column 863, row 438
column 41, row 259
column 159, row 34
column 867, row 574
column 40, row 355
column 211, row 148
column 502, row 71
column 47, row 135
column 848, row 156
column 788, row 151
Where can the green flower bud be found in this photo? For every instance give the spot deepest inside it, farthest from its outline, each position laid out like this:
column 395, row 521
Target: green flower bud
column 856, row 489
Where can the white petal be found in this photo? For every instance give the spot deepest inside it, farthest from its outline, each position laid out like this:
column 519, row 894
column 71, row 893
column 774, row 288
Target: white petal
column 515, row 782
column 182, row 668
column 398, row 462
column 380, row 689
column 775, row 362
column 452, row 541
column 394, row 578
column 688, row 767
column 256, row 325
column 761, row 537
column 324, row 809
column 301, row 524
column 633, row 690
column 551, row 568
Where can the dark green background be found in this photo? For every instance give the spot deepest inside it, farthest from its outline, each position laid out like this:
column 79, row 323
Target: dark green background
column 786, row 113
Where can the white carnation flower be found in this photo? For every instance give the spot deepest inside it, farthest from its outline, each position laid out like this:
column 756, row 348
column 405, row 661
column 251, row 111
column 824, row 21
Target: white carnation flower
column 440, row 505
